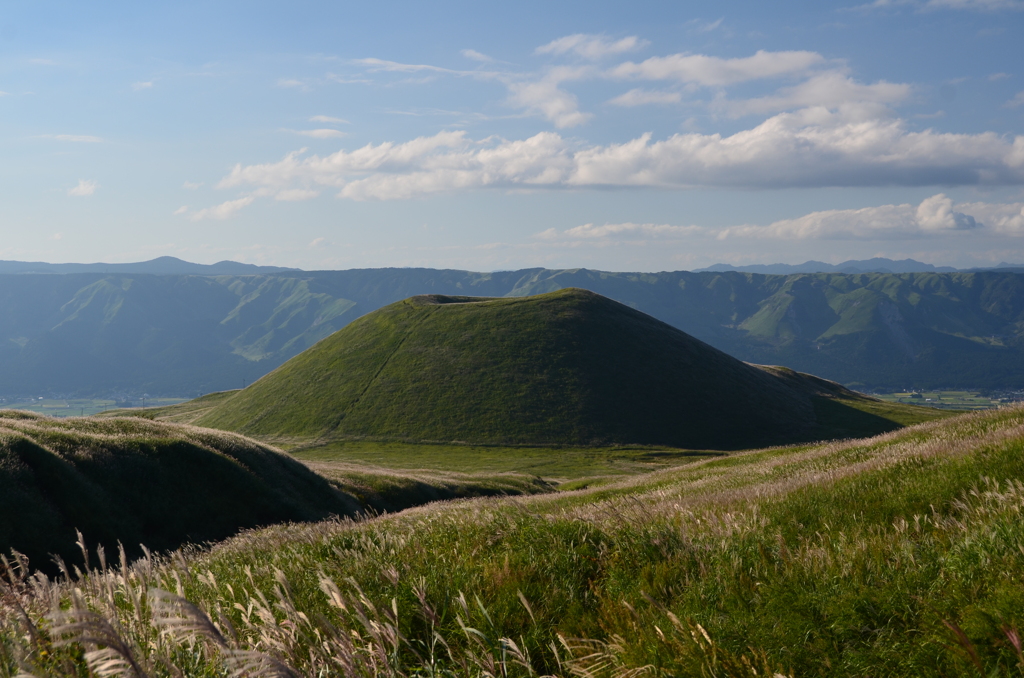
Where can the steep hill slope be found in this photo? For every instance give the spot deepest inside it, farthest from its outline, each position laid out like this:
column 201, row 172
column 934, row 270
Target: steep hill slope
column 134, row 481
column 569, row 367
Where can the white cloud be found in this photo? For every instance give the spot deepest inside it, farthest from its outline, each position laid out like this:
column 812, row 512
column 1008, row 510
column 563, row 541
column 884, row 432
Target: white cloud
column 591, row 46
column 830, row 89
column 346, row 80
column 933, row 216
column 192, row 185
column 1016, row 101
column 318, row 242
column 476, row 56
column 924, row 5
column 291, row 82
column 624, row 230
column 329, row 119
column 398, row 67
column 544, row 97
column 998, row 76
column 321, row 133
column 974, row 4
column 642, row 97
column 138, row 86
column 810, row 148
column 936, row 216
column 84, row 189
column 181, row 210
column 1005, row 218
column 712, row 71
column 707, row 27
column 225, row 210
column 55, row 236
column 295, row 194
column 77, row 138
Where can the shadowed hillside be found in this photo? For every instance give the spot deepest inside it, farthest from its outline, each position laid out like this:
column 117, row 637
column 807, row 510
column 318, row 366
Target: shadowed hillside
column 136, row 481
column 565, row 368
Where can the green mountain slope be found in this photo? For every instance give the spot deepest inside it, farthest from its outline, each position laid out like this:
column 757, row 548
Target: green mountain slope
column 565, row 368
column 91, row 334
column 134, row 481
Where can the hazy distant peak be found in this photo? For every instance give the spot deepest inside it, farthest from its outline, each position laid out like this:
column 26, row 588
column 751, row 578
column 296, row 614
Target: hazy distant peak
column 158, row 266
column 875, row 265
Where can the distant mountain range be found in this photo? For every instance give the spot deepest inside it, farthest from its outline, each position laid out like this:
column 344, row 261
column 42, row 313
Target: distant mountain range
column 158, row 266
column 175, row 266
column 876, row 265
column 100, row 333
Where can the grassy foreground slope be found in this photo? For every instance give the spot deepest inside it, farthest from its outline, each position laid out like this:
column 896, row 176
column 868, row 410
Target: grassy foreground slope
column 566, row 368
column 134, row 481
column 900, row 555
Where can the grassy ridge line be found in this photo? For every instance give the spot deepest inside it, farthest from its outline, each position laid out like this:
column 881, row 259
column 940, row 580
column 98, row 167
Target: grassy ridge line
column 565, row 368
column 898, row 555
column 131, row 480
column 181, row 413
column 138, row 481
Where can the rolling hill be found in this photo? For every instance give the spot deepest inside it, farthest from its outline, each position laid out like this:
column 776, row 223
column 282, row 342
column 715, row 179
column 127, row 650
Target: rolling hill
column 135, row 481
column 565, row 368
column 93, row 334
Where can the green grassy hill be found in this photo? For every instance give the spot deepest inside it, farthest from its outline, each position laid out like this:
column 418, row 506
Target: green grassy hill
column 899, row 555
column 565, row 368
column 135, row 481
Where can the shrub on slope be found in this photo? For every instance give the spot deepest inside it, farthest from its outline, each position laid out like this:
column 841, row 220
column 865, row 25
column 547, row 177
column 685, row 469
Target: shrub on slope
column 137, row 481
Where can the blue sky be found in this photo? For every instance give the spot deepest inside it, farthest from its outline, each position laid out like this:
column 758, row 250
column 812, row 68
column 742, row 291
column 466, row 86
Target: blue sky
column 639, row 136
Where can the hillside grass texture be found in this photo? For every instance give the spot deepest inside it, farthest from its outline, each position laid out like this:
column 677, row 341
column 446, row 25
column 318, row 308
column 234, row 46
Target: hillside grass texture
column 135, row 481
column 556, row 464
column 895, row 555
column 565, row 368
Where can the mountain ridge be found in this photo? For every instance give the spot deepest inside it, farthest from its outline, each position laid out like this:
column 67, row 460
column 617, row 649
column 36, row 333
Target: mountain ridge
column 874, row 265
column 167, row 265
column 94, row 333
column 159, row 266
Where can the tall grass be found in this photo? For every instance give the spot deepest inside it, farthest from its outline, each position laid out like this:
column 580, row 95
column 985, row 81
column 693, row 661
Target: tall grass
column 898, row 555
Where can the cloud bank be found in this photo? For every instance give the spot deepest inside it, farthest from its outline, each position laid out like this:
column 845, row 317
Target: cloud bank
column 814, row 147
column 934, row 217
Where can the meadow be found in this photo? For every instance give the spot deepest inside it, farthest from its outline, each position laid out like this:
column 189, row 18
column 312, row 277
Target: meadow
column 952, row 400
column 893, row 555
column 81, row 407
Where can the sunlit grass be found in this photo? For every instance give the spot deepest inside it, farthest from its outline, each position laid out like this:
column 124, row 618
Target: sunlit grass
column 897, row 555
